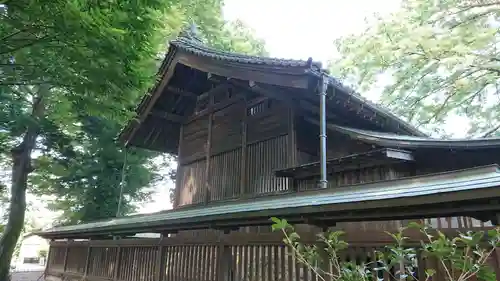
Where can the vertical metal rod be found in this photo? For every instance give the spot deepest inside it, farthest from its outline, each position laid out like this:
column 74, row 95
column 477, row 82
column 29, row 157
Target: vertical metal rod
column 323, row 182
column 122, row 184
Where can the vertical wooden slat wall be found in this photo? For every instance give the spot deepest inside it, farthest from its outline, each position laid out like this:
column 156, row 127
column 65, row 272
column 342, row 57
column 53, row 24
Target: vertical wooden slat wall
column 216, row 262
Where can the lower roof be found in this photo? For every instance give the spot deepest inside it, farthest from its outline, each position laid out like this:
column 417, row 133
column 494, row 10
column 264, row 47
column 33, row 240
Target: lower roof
column 407, row 141
column 463, row 192
column 348, row 162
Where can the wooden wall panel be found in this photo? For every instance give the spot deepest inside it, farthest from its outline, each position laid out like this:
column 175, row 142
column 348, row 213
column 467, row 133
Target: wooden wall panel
column 137, row 263
column 77, row 257
column 191, row 262
column 268, row 123
column 103, row 261
column 56, row 258
column 365, row 175
column 194, row 140
column 225, row 172
column 263, row 159
column 227, row 128
column 192, row 183
column 237, row 256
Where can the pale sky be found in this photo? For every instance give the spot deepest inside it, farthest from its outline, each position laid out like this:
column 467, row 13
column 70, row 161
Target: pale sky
column 296, row 30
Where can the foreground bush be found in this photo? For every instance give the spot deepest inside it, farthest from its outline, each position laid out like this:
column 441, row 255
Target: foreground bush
column 461, row 258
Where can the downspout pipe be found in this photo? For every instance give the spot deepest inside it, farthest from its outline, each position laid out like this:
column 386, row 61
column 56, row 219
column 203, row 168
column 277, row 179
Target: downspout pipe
column 323, row 86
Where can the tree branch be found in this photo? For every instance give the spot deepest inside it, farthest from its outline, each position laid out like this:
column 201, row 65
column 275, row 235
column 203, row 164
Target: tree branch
column 491, row 131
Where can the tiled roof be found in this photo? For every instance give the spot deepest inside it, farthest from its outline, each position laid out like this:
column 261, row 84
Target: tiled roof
column 405, row 141
column 196, row 48
column 455, row 186
column 190, row 42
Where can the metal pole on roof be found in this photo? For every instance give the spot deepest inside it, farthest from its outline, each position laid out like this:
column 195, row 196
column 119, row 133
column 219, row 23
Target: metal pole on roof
column 122, row 184
column 323, row 182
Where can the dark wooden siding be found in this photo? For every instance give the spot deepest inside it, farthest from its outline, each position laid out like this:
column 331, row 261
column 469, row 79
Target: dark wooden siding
column 225, row 174
column 263, row 158
column 194, row 140
column 213, row 256
column 248, row 141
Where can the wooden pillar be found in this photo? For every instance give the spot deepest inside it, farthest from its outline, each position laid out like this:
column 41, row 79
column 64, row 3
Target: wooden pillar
column 47, row 261
column 225, row 270
column 208, row 189
column 66, row 251
column 178, row 174
column 87, row 262
column 243, row 176
column 117, row 263
column 160, row 263
column 496, row 261
column 292, row 146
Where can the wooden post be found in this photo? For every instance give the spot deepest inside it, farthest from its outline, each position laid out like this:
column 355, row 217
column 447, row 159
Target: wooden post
column 243, row 176
column 66, row 256
column 160, row 263
column 496, row 258
column 292, row 138
column 208, row 189
column 47, row 261
column 178, row 175
column 292, row 146
column 117, row 263
column 87, row 262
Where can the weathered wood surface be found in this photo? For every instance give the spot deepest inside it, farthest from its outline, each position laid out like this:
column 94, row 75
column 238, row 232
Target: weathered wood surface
column 211, row 255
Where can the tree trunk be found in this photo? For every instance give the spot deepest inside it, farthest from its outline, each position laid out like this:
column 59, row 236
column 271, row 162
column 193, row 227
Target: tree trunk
column 21, row 168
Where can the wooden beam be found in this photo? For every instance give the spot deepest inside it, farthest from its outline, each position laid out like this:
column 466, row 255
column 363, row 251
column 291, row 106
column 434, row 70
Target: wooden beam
column 213, row 108
column 168, row 116
column 155, row 94
column 215, row 90
column 256, row 88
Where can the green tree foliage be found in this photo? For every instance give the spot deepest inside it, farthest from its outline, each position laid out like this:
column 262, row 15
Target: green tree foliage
column 86, row 178
column 60, row 61
column 443, row 58
column 71, row 73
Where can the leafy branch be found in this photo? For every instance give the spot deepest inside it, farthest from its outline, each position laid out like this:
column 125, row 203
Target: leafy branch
column 468, row 253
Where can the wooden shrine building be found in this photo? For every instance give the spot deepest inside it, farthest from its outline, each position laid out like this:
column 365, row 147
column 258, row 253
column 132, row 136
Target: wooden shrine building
column 258, row 137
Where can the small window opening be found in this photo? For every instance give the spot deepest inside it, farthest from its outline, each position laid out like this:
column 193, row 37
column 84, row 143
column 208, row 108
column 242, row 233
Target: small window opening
column 258, row 108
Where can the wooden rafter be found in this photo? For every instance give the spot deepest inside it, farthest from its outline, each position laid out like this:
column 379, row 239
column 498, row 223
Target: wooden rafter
column 168, row 116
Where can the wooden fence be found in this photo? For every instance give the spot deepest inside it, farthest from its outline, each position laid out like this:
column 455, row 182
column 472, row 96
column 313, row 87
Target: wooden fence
column 215, row 257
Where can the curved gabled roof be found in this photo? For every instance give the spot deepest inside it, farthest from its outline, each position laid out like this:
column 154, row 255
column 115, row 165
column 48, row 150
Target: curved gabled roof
column 189, row 50
column 406, row 141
